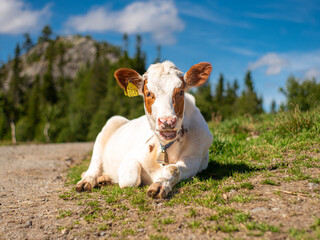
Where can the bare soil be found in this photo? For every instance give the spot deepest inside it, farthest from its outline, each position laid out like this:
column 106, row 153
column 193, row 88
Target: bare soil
column 31, row 178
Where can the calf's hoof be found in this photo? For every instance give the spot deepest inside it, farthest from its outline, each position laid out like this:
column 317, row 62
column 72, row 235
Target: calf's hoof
column 157, row 191
column 83, row 186
column 103, row 181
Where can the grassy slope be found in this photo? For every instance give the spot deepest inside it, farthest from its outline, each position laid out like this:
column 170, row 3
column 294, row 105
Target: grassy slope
column 255, row 163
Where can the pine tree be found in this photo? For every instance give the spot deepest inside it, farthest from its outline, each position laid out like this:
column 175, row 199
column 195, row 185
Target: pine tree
column 33, row 111
column 158, row 58
column 204, row 100
column 218, row 99
column 230, row 99
column 16, row 83
column 125, row 39
column 139, row 58
column 249, row 102
column 15, row 93
column 45, row 34
column 219, row 90
column 49, row 91
column 125, row 58
column 27, row 44
column 248, row 82
column 273, row 106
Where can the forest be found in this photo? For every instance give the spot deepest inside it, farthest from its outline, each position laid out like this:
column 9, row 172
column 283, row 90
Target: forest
column 56, row 106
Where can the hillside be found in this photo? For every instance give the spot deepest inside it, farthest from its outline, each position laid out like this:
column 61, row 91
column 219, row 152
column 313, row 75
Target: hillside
column 69, row 54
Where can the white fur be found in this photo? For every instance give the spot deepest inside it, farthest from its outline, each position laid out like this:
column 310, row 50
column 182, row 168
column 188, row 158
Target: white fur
column 122, row 148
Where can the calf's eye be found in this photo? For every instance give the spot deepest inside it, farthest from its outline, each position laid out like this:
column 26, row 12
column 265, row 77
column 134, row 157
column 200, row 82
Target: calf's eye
column 181, row 92
column 148, row 94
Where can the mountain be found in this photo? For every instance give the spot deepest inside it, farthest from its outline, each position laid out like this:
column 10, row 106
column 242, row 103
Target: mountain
column 67, row 54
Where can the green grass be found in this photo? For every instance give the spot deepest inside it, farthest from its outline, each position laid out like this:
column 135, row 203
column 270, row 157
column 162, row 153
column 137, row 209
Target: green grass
column 158, row 237
column 166, row 221
column 276, row 148
column 64, row 213
column 270, row 182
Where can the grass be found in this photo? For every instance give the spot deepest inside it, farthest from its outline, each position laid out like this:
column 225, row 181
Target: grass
column 247, row 154
column 158, row 237
column 64, row 213
column 270, row 182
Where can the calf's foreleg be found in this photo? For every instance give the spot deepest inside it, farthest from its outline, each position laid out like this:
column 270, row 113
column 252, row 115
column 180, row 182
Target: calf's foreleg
column 170, row 175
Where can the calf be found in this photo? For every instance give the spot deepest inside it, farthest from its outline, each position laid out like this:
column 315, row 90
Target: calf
column 169, row 143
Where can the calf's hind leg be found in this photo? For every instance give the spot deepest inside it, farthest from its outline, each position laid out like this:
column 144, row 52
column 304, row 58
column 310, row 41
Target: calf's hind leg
column 129, row 174
column 89, row 179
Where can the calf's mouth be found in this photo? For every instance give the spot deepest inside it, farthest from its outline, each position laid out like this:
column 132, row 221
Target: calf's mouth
column 168, row 134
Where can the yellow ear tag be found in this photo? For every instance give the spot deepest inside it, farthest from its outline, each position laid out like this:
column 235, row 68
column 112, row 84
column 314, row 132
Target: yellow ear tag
column 131, row 90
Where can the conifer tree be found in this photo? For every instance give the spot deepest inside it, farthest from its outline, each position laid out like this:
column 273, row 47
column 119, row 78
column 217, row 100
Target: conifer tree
column 219, row 90
column 204, row 100
column 158, row 58
column 248, row 82
column 218, row 99
column 273, row 106
column 125, row 58
column 139, row 58
column 45, row 34
column 33, row 111
column 49, row 91
column 15, row 94
column 249, row 102
column 27, row 44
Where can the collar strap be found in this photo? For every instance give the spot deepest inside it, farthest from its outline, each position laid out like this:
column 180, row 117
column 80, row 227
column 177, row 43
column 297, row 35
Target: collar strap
column 165, row 147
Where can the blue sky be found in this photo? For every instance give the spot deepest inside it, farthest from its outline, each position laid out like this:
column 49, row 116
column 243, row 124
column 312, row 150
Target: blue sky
column 271, row 38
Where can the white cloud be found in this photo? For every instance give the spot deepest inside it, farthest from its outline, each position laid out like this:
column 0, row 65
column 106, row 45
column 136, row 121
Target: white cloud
column 213, row 14
column 312, row 73
column 159, row 18
column 240, row 51
column 274, row 63
column 16, row 17
column 300, row 64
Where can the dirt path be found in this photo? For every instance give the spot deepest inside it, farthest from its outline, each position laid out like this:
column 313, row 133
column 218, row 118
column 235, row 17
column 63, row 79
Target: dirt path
column 31, row 177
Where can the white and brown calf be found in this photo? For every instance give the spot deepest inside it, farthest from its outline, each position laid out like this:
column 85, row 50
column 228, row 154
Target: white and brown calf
column 125, row 152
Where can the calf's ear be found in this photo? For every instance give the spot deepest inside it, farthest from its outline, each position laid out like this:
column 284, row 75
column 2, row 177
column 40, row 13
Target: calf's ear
column 125, row 75
column 198, row 74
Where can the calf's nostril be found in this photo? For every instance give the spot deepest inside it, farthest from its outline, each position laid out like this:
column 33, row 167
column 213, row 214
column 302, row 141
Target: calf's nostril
column 167, row 122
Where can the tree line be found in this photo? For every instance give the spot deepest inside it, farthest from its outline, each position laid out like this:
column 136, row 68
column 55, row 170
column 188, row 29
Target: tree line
column 64, row 109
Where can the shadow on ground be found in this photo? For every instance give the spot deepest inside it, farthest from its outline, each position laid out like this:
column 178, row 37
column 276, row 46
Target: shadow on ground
column 219, row 171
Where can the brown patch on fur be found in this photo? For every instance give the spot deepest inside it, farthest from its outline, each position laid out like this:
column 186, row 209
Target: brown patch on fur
column 125, row 75
column 149, row 97
column 174, row 171
column 151, row 147
column 181, row 134
column 178, row 100
column 198, row 74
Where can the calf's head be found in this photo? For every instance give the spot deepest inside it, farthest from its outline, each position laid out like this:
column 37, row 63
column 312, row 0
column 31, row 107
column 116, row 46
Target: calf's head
column 163, row 87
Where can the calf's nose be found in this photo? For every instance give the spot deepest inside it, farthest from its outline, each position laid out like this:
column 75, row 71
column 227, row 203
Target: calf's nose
column 167, row 122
